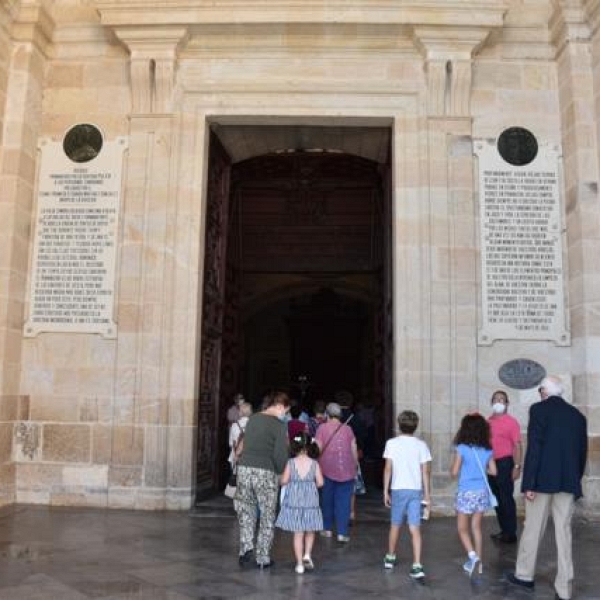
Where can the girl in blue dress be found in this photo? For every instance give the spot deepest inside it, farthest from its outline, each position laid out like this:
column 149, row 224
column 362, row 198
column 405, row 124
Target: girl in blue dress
column 300, row 511
column 472, row 459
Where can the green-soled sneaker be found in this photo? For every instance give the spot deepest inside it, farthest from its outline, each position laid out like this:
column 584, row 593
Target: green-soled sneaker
column 390, row 561
column 417, row 571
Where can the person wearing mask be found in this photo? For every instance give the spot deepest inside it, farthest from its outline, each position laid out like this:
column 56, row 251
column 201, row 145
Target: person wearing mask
column 507, row 448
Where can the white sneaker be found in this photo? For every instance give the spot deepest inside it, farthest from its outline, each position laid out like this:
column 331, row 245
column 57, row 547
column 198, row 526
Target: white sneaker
column 308, row 563
column 344, row 539
column 299, row 569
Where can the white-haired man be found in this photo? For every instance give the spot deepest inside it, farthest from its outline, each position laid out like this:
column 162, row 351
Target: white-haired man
column 554, row 466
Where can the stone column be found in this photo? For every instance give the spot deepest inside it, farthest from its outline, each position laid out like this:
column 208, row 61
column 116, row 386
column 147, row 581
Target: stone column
column 149, row 445
column 25, row 31
column 8, row 12
column 577, row 42
column 449, row 244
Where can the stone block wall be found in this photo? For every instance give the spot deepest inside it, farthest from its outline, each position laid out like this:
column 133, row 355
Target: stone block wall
column 91, row 421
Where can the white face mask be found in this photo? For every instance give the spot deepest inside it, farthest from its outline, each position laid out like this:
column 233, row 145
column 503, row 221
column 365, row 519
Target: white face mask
column 499, row 408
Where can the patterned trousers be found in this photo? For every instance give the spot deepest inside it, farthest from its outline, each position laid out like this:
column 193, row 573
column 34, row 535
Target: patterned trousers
column 256, row 492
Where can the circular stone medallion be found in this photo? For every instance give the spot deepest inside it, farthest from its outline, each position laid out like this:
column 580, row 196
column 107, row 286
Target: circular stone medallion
column 517, row 146
column 83, row 143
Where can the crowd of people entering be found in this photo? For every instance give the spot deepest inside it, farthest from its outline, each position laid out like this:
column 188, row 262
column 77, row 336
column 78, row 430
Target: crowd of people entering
column 309, row 467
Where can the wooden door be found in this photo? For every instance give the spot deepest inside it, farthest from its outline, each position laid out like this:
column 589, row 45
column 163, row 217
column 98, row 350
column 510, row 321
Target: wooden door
column 212, row 426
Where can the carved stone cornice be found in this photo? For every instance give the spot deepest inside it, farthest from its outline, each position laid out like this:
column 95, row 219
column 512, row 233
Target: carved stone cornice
column 568, row 23
column 486, row 13
column 448, row 54
column 33, row 24
column 445, row 31
column 153, row 52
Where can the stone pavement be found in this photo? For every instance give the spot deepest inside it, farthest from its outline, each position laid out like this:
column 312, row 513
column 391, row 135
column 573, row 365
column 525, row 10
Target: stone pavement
column 80, row 553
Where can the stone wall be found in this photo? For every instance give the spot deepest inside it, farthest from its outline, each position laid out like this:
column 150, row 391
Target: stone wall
column 29, row 28
column 91, row 421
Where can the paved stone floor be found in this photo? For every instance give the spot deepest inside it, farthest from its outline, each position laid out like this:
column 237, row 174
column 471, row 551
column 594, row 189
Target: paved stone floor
column 76, row 554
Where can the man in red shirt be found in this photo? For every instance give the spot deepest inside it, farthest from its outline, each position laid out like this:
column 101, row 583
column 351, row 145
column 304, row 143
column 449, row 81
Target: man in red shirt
column 507, row 449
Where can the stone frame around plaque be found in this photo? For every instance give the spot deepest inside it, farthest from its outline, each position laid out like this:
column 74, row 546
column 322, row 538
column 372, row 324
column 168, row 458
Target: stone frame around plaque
column 72, row 277
column 523, row 293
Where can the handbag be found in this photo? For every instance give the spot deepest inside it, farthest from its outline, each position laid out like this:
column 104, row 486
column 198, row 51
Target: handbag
column 359, row 483
column 493, row 499
column 231, row 486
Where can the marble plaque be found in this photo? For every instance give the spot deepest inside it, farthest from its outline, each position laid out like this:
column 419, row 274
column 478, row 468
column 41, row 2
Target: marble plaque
column 72, row 282
column 521, row 373
column 522, row 286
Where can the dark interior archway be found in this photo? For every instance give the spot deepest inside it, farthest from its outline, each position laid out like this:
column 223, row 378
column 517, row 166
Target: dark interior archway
column 297, row 281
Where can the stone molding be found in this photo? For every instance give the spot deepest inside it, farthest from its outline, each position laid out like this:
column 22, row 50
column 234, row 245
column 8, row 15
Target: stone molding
column 33, row 24
column 154, row 52
column 447, row 34
column 487, row 13
column 448, row 53
column 569, row 23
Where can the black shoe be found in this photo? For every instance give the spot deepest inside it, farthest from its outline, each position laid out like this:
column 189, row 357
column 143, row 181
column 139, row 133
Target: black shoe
column 245, row 558
column 506, row 538
column 266, row 565
column 512, row 578
column 497, row 535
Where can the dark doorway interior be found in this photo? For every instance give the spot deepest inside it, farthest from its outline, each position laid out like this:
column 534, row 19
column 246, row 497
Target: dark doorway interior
column 297, row 290
column 318, row 343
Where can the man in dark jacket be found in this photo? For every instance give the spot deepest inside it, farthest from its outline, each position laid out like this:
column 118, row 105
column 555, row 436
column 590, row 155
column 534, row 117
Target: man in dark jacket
column 554, row 466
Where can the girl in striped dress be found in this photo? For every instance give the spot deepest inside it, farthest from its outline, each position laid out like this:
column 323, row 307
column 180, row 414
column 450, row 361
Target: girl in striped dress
column 300, row 512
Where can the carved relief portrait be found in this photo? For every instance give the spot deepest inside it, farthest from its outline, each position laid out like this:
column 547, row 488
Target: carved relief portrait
column 83, row 143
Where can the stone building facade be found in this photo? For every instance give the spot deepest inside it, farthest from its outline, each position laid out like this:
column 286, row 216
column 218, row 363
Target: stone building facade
column 119, row 420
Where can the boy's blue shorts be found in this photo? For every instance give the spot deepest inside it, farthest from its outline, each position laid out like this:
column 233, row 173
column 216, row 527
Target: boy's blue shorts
column 406, row 506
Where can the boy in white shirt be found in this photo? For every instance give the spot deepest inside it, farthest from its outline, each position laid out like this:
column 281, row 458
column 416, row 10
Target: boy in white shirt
column 406, row 483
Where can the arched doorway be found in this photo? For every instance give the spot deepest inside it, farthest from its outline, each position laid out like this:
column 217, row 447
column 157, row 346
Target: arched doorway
column 297, row 276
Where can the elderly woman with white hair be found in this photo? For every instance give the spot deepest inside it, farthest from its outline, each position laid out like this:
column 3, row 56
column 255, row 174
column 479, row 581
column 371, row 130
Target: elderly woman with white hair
column 236, row 433
column 338, row 462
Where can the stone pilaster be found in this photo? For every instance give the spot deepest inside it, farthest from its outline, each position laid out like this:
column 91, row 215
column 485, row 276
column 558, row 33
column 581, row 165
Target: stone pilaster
column 571, row 35
column 8, row 12
column 25, row 29
column 575, row 30
column 152, row 426
column 450, row 244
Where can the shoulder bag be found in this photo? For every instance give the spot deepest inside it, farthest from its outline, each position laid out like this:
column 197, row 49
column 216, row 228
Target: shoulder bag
column 493, row 499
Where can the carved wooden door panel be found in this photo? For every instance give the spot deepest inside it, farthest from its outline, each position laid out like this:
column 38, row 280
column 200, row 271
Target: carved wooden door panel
column 210, row 430
column 231, row 338
column 384, row 332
